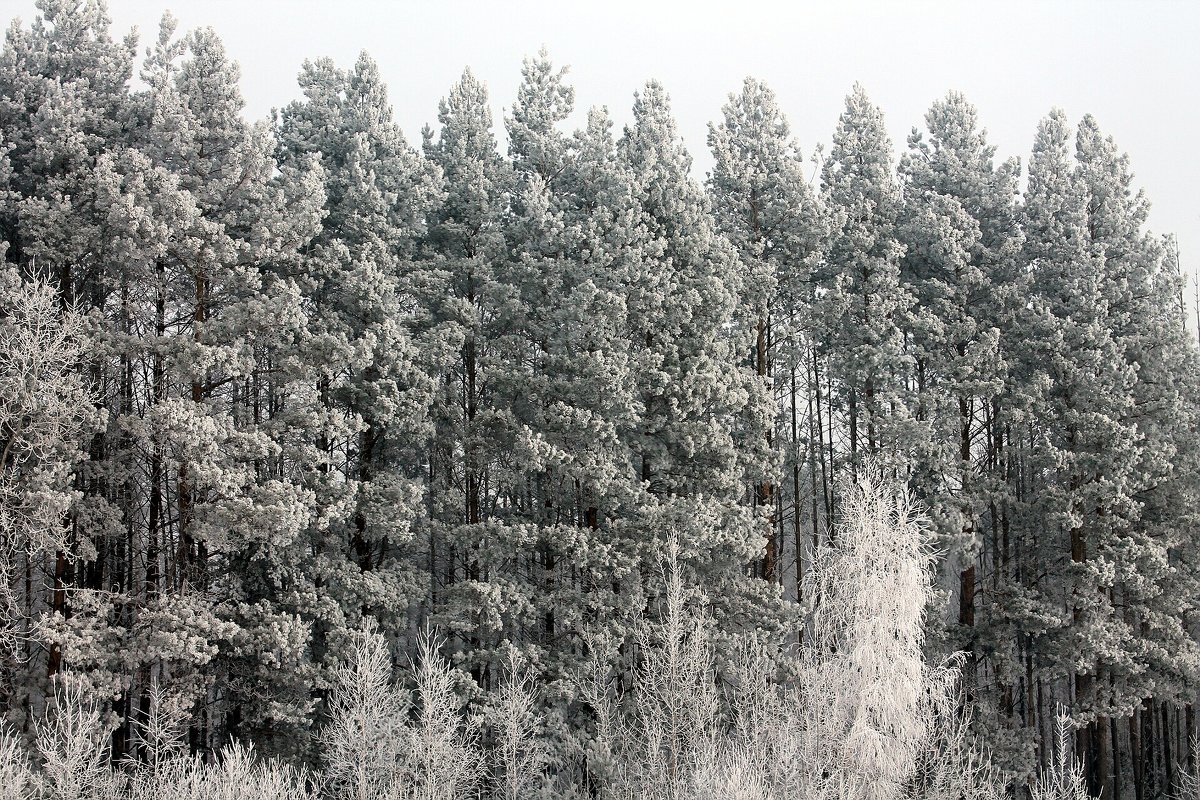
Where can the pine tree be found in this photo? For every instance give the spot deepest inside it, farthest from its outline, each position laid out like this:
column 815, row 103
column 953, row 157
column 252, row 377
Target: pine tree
column 219, row 425
column 466, row 245
column 696, row 398
column 862, row 306
column 561, row 370
column 764, row 206
column 962, row 263
column 533, row 373
column 169, row 220
column 1143, row 297
column 63, row 101
column 359, row 280
column 1084, row 451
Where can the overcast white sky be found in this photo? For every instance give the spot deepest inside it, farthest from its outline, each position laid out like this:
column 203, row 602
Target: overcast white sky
column 1134, row 65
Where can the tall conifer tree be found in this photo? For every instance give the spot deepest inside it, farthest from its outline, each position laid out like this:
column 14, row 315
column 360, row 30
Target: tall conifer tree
column 862, row 308
column 764, row 206
column 465, row 245
column 696, row 396
column 1084, row 450
column 962, row 262
column 359, row 279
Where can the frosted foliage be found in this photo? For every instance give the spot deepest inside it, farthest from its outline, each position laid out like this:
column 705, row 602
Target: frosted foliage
column 72, row 740
column 16, row 776
column 865, row 718
column 445, row 763
column 1189, row 779
column 847, row 728
column 237, row 774
column 45, row 409
column 731, row 775
column 364, row 743
column 654, row 739
column 1063, row 779
column 160, row 735
column 168, row 773
column 868, row 685
column 277, row 395
column 677, row 701
column 520, row 755
column 956, row 765
column 374, row 751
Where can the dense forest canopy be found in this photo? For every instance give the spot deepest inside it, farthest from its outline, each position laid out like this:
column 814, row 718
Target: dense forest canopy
column 874, row 481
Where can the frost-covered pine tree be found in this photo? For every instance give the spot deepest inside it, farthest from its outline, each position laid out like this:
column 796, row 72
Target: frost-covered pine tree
column 224, row 394
column 1084, row 449
column 561, row 371
column 695, row 396
column 464, row 248
column 962, row 263
column 1143, row 296
column 170, row 216
column 535, row 374
column 763, row 204
column 63, row 102
column 862, row 306
column 371, row 366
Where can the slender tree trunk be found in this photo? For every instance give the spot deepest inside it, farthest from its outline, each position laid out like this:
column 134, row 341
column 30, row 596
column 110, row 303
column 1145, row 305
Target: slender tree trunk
column 192, row 552
column 366, row 455
column 1044, row 737
column 765, row 492
column 1102, row 735
column 853, row 400
column 1168, row 763
column 58, row 605
column 826, row 468
column 798, row 535
column 1196, row 284
column 1114, row 733
column 1145, row 716
column 1189, row 721
column 966, row 606
column 833, row 466
column 1136, row 754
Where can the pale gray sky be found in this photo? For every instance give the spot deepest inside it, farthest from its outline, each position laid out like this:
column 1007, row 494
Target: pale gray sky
column 1134, row 65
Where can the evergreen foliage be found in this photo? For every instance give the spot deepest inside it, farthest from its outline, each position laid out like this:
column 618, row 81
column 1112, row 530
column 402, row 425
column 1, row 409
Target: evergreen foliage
column 277, row 398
